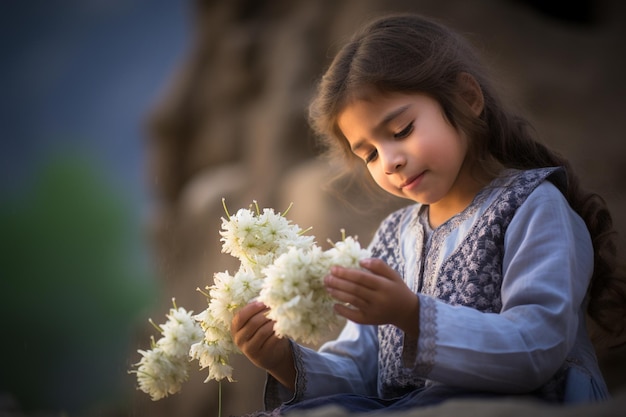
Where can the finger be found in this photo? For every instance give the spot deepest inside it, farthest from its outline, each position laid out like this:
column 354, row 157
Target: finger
column 262, row 344
column 350, row 312
column 245, row 335
column 355, row 281
column 262, row 334
column 246, row 313
column 355, row 276
column 358, row 297
column 255, row 331
column 380, row 268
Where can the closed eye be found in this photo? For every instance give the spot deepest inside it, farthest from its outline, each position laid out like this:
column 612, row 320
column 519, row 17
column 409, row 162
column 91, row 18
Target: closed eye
column 404, row 132
column 371, row 156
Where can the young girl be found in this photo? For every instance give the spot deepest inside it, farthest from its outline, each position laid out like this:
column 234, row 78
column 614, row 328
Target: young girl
column 481, row 287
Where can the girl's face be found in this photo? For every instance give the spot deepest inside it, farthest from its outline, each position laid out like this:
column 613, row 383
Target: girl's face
column 411, row 150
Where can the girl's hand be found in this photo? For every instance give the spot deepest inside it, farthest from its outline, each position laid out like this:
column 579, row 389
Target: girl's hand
column 253, row 333
column 375, row 295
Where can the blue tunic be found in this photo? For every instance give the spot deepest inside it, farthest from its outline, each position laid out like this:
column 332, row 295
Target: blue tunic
column 502, row 289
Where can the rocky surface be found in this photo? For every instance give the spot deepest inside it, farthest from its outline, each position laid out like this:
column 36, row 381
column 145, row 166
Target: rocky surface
column 232, row 123
column 495, row 408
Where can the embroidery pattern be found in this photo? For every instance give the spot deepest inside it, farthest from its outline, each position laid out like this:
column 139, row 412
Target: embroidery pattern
column 301, row 379
column 472, row 274
column 428, row 337
column 385, row 243
column 385, row 246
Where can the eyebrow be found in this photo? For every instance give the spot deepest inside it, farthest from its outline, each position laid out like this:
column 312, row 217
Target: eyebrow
column 384, row 121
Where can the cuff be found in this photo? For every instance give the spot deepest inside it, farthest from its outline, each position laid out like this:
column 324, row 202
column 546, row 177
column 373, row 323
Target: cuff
column 276, row 394
column 419, row 353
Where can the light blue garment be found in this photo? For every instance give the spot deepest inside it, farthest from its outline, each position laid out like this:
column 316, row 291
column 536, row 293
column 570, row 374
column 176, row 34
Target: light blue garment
column 533, row 343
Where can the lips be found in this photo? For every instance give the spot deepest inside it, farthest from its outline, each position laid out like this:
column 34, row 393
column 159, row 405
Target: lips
column 412, row 181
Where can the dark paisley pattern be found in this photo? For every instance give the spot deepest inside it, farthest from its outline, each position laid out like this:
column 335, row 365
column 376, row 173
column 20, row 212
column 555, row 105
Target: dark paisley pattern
column 385, row 244
column 470, row 276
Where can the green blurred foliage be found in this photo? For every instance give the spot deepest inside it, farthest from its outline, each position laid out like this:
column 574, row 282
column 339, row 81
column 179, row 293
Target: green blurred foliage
column 73, row 280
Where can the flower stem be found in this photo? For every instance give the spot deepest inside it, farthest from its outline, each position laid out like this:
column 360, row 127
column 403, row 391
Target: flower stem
column 307, row 230
column 225, row 209
column 156, row 326
column 284, row 213
column 219, row 399
column 206, row 294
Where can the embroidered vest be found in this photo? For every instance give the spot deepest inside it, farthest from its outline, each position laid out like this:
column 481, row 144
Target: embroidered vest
column 470, row 276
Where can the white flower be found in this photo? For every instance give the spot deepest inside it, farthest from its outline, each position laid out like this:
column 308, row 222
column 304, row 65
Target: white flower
column 293, row 289
column 215, row 356
column 222, row 304
column 239, row 234
column 294, row 292
column 163, row 369
column 179, row 333
column 219, row 370
column 229, row 293
column 226, row 296
column 213, row 329
column 256, row 238
column 159, row 374
column 347, row 253
column 245, row 286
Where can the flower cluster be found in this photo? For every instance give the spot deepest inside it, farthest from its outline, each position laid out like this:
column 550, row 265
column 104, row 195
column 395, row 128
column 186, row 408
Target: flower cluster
column 293, row 289
column 163, row 369
column 284, row 269
column 256, row 238
column 280, row 266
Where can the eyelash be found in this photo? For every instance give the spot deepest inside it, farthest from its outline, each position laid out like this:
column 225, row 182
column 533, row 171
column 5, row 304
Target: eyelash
column 400, row 135
column 404, row 132
column 370, row 156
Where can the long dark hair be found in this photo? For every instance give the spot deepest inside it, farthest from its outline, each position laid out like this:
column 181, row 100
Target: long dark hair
column 408, row 53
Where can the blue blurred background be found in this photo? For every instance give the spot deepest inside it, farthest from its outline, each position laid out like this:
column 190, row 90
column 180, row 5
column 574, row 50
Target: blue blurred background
column 78, row 78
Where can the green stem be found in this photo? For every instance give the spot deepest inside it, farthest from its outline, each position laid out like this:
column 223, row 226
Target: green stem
column 206, row 294
column 284, row 213
column 225, row 209
column 156, row 326
column 219, row 399
column 307, row 230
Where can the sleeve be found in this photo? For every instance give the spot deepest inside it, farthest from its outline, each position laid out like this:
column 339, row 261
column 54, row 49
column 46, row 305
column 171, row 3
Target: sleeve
column 348, row 364
column 547, row 267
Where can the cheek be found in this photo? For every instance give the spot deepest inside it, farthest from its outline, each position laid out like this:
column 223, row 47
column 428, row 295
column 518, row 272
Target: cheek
column 372, row 173
column 379, row 178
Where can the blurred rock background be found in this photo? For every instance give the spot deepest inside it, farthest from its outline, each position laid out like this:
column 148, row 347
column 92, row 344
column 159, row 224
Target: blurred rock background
column 126, row 122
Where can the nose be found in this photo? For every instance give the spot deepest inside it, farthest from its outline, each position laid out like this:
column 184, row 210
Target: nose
column 393, row 159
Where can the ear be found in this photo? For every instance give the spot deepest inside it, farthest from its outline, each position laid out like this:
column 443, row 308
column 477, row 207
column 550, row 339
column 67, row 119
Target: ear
column 471, row 92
